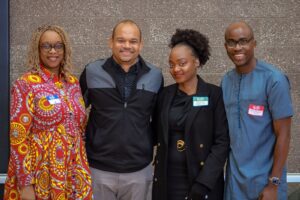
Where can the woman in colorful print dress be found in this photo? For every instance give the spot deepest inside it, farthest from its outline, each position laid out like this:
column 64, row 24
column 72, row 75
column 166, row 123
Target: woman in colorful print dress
column 47, row 121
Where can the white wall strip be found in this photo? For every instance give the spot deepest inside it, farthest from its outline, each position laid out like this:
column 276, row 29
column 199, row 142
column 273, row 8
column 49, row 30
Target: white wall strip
column 291, row 178
column 2, row 178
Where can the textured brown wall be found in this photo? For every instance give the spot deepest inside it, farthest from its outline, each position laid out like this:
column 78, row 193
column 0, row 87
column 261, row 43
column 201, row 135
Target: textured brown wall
column 276, row 25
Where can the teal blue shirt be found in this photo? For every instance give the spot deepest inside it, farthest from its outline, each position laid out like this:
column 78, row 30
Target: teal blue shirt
column 252, row 102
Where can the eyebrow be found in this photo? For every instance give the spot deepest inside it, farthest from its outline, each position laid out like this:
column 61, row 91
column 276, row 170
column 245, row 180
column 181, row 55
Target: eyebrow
column 47, row 42
column 122, row 38
column 178, row 60
column 242, row 38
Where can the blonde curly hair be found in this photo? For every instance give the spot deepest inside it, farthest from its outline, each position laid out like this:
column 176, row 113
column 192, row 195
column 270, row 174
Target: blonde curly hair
column 33, row 57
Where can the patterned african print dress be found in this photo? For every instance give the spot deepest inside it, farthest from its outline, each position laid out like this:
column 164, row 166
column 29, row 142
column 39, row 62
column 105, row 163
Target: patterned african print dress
column 46, row 148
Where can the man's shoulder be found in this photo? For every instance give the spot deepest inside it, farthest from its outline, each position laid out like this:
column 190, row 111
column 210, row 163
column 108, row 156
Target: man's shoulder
column 267, row 67
column 150, row 65
column 270, row 69
column 153, row 67
column 229, row 74
column 96, row 63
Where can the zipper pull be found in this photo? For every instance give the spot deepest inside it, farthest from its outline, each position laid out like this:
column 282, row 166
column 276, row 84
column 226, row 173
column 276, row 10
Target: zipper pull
column 125, row 105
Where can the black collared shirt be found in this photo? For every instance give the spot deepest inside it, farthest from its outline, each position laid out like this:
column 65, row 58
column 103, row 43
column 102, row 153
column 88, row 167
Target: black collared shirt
column 125, row 81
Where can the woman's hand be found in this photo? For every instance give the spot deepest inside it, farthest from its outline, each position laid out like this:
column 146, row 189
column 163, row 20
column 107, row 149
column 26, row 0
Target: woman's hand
column 199, row 192
column 27, row 193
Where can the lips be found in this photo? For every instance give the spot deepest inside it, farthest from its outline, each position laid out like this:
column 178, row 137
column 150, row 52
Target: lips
column 53, row 58
column 126, row 53
column 178, row 76
column 239, row 56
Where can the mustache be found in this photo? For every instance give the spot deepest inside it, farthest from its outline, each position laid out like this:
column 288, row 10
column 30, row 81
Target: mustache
column 127, row 50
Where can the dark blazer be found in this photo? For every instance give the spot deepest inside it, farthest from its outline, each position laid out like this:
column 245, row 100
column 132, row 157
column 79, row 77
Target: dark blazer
column 206, row 139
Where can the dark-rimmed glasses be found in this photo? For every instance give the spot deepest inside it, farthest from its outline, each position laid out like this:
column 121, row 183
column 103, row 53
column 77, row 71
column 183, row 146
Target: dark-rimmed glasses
column 242, row 42
column 48, row 47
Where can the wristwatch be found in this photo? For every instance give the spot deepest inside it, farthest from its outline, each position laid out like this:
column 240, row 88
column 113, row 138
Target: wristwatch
column 274, row 180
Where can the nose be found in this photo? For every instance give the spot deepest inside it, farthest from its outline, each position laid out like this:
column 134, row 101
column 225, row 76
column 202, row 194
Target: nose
column 176, row 68
column 52, row 50
column 127, row 44
column 237, row 46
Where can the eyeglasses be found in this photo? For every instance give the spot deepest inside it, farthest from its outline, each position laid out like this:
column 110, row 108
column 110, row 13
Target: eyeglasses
column 242, row 42
column 48, row 47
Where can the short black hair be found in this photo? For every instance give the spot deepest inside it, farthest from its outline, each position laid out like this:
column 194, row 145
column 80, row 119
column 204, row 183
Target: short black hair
column 197, row 41
column 126, row 21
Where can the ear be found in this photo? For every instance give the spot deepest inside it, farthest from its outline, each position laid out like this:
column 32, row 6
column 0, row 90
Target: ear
column 141, row 45
column 197, row 62
column 225, row 45
column 110, row 43
column 254, row 43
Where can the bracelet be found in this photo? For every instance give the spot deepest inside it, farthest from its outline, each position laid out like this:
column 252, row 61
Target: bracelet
column 275, row 180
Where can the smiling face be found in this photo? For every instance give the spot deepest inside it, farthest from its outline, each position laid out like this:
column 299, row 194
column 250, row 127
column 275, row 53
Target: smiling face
column 126, row 44
column 242, row 53
column 183, row 64
column 51, row 57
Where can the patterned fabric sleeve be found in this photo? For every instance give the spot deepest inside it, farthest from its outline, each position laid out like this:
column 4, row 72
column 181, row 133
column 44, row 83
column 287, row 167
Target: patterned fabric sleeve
column 21, row 110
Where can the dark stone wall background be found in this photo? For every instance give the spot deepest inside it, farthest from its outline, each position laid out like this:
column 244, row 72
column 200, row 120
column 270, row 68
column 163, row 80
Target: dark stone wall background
column 276, row 25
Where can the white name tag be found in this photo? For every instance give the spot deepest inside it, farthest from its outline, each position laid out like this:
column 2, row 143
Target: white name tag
column 256, row 110
column 200, row 101
column 53, row 99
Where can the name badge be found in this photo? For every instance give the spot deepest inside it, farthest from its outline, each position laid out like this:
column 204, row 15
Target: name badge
column 256, row 110
column 53, row 99
column 200, row 101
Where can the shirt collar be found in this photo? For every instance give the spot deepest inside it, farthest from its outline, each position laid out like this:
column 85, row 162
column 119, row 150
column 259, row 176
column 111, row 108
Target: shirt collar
column 133, row 69
column 50, row 75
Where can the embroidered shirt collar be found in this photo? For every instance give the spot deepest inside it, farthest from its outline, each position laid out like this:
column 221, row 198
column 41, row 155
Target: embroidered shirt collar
column 50, row 75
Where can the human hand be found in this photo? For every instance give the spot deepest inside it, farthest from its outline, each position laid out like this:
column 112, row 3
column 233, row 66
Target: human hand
column 269, row 193
column 199, row 192
column 27, row 193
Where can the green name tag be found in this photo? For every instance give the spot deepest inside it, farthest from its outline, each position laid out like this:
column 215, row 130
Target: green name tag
column 200, row 101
